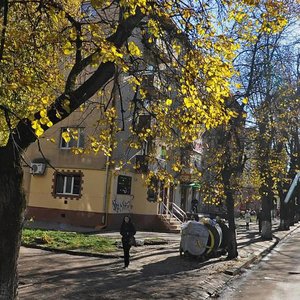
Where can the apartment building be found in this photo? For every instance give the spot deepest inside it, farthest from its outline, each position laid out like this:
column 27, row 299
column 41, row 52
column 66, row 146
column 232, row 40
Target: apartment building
column 94, row 190
column 82, row 189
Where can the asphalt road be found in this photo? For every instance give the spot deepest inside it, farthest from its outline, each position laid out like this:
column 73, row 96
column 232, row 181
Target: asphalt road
column 276, row 277
column 154, row 273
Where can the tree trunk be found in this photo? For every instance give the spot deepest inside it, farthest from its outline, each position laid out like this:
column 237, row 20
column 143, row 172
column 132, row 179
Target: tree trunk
column 266, row 225
column 292, row 215
column 284, row 220
column 232, row 243
column 297, row 205
column 12, row 206
column 284, row 223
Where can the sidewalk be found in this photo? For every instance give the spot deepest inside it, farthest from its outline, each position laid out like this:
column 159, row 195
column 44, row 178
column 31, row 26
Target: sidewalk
column 167, row 275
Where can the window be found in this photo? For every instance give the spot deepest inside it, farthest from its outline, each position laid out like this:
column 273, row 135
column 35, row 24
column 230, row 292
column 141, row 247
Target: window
column 152, row 191
column 76, row 138
column 124, row 185
column 143, row 123
column 68, row 184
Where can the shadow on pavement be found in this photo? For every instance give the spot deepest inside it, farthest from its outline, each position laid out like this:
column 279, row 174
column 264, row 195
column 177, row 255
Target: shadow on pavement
column 95, row 280
column 249, row 242
column 174, row 265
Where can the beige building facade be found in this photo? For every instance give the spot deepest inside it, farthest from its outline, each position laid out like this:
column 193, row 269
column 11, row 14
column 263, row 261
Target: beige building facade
column 80, row 189
column 83, row 189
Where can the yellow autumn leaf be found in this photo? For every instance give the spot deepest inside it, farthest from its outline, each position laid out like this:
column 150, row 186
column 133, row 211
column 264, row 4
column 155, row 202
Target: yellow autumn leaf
column 39, row 131
column 134, row 49
column 68, row 51
column 177, row 48
column 169, row 102
column 43, row 121
column 175, row 168
column 68, row 48
column 35, row 124
column 245, row 100
column 188, row 103
column 97, row 3
column 66, row 136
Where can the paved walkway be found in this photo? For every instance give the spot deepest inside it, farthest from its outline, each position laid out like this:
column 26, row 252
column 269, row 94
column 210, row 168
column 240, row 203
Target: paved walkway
column 279, row 274
column 155, row 272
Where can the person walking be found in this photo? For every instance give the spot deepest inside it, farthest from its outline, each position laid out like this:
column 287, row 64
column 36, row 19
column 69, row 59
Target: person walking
column 194, row 204
column 127, row 232
column 247, row 218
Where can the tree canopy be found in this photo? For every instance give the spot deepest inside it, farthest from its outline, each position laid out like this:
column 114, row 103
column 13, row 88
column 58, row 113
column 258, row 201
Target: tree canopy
column 56, row 55
column 48, row 47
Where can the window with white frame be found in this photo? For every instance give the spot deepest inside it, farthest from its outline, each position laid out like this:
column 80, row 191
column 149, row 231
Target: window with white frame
column 68, row 184
column 71, row 137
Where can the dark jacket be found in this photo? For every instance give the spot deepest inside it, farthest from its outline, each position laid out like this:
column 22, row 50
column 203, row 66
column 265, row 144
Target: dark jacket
column 194, row 202
column 127, row 231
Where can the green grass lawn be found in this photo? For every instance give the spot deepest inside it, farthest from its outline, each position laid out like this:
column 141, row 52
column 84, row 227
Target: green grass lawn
column 68, row 241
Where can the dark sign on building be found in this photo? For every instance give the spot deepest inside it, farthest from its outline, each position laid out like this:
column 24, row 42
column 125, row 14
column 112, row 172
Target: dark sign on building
column 124, row 185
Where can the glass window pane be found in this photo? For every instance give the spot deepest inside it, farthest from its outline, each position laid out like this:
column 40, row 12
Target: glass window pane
column 81, row 138
column 78, row 141
column 59, row 184
column 73, row 143
column 68, row 186
column 63, row 143
column 76, row 186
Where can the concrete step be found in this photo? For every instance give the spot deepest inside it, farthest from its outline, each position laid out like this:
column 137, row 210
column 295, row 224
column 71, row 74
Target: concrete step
column 174, row 224
column 167, row 218
column 171, row 224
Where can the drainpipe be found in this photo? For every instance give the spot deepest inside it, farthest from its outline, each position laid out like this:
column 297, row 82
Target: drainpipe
column 106, row 193
column 107, row 167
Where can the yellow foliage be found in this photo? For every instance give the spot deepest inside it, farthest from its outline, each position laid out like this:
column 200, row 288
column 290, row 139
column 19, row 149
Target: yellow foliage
column 134, row 49
column 66, row 136
column 169, row 102
column 245, row 100
column 40, row 50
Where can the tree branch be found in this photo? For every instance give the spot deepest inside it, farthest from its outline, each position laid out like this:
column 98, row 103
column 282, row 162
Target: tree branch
column 103, row 73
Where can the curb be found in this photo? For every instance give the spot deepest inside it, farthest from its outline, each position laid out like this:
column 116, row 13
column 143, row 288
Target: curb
column 73, row 252
column 253, row 258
